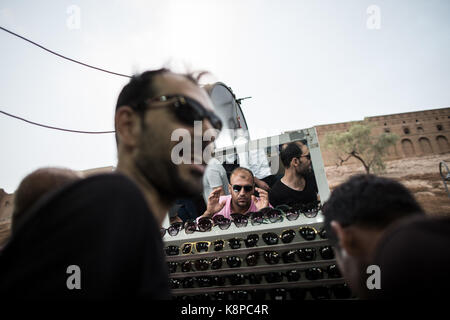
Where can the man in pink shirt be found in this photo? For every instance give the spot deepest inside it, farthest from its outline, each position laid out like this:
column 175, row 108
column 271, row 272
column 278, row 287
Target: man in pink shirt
column 241, row 199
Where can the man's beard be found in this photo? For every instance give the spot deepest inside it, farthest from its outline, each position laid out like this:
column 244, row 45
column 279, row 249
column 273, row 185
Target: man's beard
column 165, row 176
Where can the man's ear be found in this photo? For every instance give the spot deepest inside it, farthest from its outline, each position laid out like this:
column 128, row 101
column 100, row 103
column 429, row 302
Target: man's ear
column 127, row 126
column 230, row 188
column 346, row 238
column 294, row 162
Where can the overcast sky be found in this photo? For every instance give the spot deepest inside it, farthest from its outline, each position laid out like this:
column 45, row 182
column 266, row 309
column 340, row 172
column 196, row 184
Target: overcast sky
column 304, row 63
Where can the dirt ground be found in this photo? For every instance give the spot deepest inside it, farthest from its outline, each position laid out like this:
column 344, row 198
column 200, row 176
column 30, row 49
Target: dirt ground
column 420, row 175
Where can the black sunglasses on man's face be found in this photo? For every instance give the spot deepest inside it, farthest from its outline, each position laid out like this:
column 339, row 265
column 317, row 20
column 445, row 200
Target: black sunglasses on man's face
column 187, row 110
column 247, row 188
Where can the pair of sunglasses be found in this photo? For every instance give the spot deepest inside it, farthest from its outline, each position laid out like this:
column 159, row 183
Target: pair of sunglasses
column 199, row 265
column 316, row 273
column 173, row 229
column 271, row 238
column 203, row 225
column 238, row 219
column 221, row 221
column 274, row 277
column 218, row 245
column 187, row 110
column 308, row 233
column 271, row 257
column 247, row 188
column 250, row 242
column 309, row 210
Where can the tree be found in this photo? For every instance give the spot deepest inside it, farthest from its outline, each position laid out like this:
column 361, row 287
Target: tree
column 359, row 143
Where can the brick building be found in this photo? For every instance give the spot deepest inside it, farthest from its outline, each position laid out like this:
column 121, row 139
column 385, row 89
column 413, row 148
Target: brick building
column 420, row 133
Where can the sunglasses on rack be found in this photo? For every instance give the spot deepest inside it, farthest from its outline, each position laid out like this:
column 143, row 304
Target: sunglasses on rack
column 273, row 215
column 199, row 247
column 199, row 265
column 239, row 220
column 173, row 229
column 323, row 233
column 326, row 252
column 172, row 250
column 218, row 245
column 247, row 188
column 265, row 216
column 203, row 225
column 274, row 277
column 221, row 221
column 308, row 233
column 288, row 211
column 316, row 273
column 250, row 242
column 187, row 110
column 252, row 259
column 234, row 262
column 271, row 238
column 310, row 210
column 288, row 256
column 271, row 257
column 306, row 254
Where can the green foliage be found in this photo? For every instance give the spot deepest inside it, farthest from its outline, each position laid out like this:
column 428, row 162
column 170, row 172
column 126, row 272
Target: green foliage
column 359, row 143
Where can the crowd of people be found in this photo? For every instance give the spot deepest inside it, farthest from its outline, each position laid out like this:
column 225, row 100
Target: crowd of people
column 109, row 225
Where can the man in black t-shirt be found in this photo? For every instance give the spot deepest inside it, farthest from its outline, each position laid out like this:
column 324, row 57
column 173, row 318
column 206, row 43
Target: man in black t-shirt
column 298, row 185
column 100, row 237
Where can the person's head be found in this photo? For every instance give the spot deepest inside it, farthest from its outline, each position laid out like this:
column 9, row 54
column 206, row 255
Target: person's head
column 241, row 187
column 295, row 157
column 149, row 110
column 37, row 184
column 356, row 215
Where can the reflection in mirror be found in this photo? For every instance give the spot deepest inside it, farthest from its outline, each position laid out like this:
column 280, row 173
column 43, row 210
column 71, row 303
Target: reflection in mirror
column 296, row 187
column 265, row 183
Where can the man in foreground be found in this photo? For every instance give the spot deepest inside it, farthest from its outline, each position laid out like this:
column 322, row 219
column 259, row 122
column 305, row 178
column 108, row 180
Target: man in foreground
column 100, row 237
column 358, row 215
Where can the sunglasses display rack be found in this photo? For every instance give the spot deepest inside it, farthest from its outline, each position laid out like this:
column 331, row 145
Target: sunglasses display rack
column 280, row 260
column 252, row 264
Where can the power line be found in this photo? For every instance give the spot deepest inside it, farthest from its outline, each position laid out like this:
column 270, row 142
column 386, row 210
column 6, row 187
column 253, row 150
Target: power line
column 55, row 128
column 64, row 57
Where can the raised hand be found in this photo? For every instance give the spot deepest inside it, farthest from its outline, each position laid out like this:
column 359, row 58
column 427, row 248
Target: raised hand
column 214, row 205
column 263, row 200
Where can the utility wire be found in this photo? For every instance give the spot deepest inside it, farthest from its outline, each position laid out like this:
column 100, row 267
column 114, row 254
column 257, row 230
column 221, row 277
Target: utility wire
column 55, row 128
column 64, row 57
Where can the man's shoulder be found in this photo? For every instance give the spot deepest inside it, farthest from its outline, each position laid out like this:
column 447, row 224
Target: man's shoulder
column 279, row 186
column 108, row 184
column 414, row 249
column 103, row 194
column 420, row 229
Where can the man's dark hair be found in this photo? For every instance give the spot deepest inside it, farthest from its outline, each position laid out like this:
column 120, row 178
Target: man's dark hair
column 236, row 170
column 368, row 201
column 292, row 150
